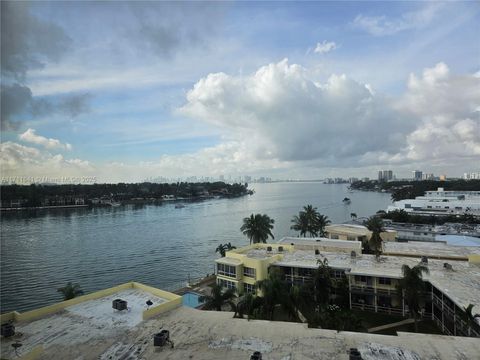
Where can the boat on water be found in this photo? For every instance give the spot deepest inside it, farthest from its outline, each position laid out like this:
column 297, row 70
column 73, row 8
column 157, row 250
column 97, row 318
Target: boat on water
column 179, row 206
column 346, row 200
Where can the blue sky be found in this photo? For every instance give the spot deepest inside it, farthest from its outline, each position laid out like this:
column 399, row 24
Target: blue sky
column 151, row 89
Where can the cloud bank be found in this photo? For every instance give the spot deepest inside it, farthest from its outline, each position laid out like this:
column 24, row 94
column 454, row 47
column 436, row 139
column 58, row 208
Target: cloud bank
column 283, row 119
column 31, row 137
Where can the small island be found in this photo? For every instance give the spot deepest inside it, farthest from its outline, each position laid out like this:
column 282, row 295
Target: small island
column 38, row 196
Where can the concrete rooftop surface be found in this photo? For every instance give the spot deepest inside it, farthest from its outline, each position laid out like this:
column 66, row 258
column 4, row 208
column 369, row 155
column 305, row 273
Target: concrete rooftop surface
column 82, row 323
column 216, row 335
column 432, row 249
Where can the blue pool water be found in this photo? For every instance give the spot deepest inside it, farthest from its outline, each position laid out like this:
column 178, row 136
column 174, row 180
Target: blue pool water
column 191, row 300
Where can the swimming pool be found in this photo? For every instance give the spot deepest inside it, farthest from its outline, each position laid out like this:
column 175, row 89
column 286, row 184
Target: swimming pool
column 191, row 299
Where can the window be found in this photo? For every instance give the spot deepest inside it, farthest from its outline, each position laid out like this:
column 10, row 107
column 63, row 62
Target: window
column 384, row 281
column 249, row 289
column 351, row 238
column 226, row 270
column 249, row 272
column 360, row 278
column 335, row 237
column 338, row 274
column 226, row 284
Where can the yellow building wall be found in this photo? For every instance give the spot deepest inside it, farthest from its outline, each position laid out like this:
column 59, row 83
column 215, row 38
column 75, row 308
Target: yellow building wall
column 260, row 265
column 474, row 259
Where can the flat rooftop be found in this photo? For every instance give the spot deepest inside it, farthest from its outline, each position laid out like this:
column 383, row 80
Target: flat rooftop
column 210, row 335
column 462, row 284
column 319, row 242
column 430, row 249
column 82, row 323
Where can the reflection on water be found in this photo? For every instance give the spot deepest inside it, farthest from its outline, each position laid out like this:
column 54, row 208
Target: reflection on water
column 157, row 245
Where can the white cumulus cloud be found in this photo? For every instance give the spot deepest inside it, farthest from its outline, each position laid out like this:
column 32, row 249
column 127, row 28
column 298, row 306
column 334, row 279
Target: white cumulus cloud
column 30, row 136
column 325, row 47
column 281, row 112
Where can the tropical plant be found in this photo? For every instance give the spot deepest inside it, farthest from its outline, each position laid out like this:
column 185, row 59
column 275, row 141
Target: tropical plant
column 469, row 318
column 322, row 222
column 322, row 283
column 375, row 225
column 300, row 223
column 258, row 228
column 218, row 298
column 310, row 221
column 246, row 305
column 277, row 293
column 222, row 248
column 353, row 216
column 411, row 287
column 70, row 291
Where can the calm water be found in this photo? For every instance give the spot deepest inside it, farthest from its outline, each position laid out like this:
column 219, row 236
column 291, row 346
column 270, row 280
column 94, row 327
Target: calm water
column 156, row 245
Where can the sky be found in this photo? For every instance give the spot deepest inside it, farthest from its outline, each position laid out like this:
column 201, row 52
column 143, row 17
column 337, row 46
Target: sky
column 128, row 91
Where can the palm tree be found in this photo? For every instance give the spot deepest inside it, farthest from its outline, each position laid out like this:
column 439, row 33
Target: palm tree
column 275, row 291
column 217, row 298
column 469, row 318
column 375, row 225
column 322, row 283
column 222, row 248
column 321, row 222
column 258, row 228
column 300, row 223
column 309, row 220
column 70, row 291
column 411, row 287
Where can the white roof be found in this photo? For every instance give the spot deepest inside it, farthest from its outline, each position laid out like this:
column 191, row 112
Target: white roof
column 228, row 261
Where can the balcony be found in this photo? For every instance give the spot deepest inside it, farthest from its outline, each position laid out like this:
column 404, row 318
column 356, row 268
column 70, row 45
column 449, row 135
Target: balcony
column 297, row 279
column 362, row 289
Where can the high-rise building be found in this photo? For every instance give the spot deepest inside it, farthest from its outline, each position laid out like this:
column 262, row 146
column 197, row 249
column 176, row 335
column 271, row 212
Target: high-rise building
column 385, row 175
column 428, row 176
column 417, row 175
column 472, row 176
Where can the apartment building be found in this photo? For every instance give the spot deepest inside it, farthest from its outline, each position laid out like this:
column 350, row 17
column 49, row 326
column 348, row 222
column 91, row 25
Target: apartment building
column 450, row 286
column 355, row 232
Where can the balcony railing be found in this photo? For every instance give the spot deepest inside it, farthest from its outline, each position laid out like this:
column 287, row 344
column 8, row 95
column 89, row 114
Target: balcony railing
column 362, row 289
column 297, row 279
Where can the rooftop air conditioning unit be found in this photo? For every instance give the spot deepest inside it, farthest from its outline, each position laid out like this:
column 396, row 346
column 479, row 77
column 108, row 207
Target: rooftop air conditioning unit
column 355, row 354
column 447, row 266
column 7, row 330
column 162, row 338
column 257, row 355
column 119, row 304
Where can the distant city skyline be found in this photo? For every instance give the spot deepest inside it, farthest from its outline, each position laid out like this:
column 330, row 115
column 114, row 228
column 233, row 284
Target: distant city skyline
column 126, row 91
